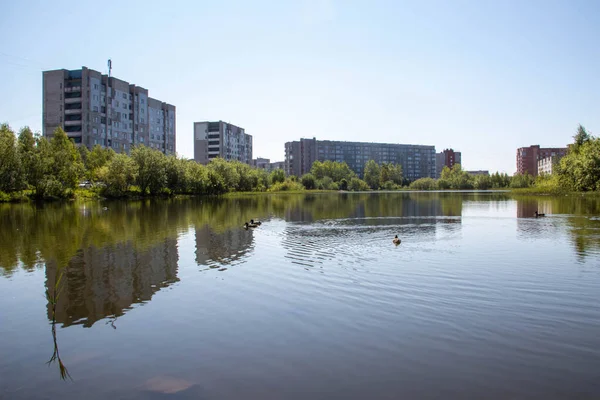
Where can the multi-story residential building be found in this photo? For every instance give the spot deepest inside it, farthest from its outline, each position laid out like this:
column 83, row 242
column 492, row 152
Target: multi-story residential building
column 221, row 139
column 547, row 165
column 479, row 172
column 266, row 164
column 97, row 109
column 446, row 158
column 417, row 161
column 528, row 157
column 299, row 156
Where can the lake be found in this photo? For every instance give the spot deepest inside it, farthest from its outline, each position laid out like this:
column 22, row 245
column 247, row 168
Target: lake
column 174, row 299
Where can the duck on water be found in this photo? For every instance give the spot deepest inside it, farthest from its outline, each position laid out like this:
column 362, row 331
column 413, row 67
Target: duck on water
column 252, row 224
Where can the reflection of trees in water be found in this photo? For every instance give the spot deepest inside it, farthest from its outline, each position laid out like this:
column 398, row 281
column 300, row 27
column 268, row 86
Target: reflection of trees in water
column 581, row 219
column 217, row 249
column 103, row 282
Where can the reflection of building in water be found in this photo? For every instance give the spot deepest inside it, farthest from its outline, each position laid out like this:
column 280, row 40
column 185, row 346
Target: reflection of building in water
column 213, row 249
column 107, row 281
column 527, row 208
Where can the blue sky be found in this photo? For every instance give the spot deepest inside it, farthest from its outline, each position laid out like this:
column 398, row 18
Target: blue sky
column 482, row 77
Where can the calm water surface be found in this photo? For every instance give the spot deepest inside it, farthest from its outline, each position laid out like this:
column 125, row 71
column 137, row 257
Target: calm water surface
column 173, row 299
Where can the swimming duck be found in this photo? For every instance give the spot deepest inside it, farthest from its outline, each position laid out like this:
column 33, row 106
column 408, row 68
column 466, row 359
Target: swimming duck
column 396, row 240
column 257, row 223
column 537, row 214
column 247, row 225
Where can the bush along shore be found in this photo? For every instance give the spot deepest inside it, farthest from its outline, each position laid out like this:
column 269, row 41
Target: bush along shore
column 32, row 167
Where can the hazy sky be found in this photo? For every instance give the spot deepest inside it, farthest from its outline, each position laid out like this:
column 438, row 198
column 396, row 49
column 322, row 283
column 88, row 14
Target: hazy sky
column 482, row 77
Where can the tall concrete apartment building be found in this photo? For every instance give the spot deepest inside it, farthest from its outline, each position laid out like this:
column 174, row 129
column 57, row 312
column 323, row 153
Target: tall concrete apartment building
column 528, row 157
column 94, row 108
column 417, row 161
column 221, row 139
column 446, row 158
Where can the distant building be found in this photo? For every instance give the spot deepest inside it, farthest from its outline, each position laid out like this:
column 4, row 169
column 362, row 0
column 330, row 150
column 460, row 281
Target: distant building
column 417, row 161
column 528, row 157
column 267, row 165
column 95, row 109
column 547, row 165
column 479, row 172
column 446, row 158
column 221, row 139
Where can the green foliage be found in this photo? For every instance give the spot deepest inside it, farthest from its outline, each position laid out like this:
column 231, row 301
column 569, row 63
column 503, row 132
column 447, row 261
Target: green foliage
column 457, row 178
column 308, row 181
column 287, row 185
column 482, row 182
column 423, row 184
column 96, row 159
column 11, row 177
column 277, row 176
column 26, row 148
column 580, row 137
column 152, row 172
column 343, row 184
column 390, row 172
column 520, row 181
column 372, row 174
column 358, row 185
column 500, row 180
column 333, row 169
column 579, row 170
column 67, row 167
column 118, row 175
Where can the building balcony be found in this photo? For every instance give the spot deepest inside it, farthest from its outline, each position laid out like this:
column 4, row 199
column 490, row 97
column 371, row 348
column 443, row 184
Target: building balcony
column 72, row 123
column 70, row 112
column 73, row 100
column 73, row 89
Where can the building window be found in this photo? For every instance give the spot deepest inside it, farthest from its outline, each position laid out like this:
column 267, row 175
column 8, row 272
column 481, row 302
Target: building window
column 124, row 96
column 95, row 108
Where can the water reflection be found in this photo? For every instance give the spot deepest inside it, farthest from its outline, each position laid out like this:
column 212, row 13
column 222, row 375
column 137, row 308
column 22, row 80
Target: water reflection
column 105, row 282
column 577, row 213
column 218, row 250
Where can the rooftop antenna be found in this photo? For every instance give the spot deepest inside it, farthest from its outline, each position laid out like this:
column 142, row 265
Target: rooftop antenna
column 109, row 67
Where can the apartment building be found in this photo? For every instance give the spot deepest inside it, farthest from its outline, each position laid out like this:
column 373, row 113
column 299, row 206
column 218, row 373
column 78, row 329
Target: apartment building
column 547, row 165
column 446, row 158
column 221, row 139
column 528, row 157
column 266, row 164
column 97, row 109
column 417, row 161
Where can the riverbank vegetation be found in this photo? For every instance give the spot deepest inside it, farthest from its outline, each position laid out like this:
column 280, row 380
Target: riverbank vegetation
column 32, row 166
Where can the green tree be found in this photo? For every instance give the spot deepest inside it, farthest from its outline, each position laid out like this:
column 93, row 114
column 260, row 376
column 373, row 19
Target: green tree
column 482, row 182
column 277, row 176
column 581, row 137
column 372, row 173
column 423, row 184
column 358, row 185
column 119, row 174
column 520, row 181
column 26, row 149
column 11, row 178
column 152, row 174
column 96, row 159
column 580, row 170
column 67, row 167
column 308, row 181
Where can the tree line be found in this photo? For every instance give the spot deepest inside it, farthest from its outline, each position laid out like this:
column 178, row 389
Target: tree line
column 54, row 168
